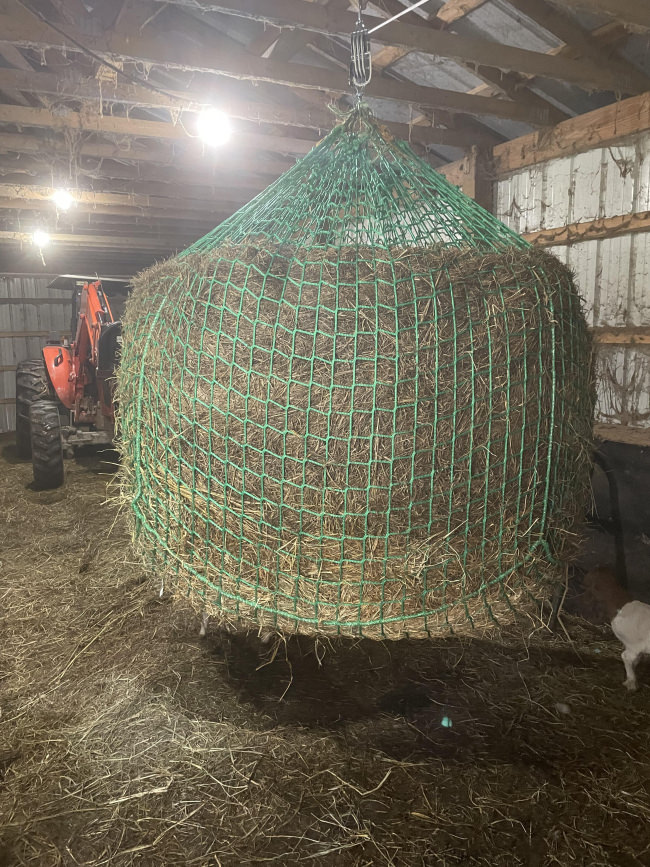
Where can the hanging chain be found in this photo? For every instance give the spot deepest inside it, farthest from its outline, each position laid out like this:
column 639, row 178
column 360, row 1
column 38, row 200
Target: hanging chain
column 360, row 60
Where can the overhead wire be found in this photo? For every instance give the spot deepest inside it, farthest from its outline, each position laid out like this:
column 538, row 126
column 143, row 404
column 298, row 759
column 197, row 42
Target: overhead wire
column 399, row 15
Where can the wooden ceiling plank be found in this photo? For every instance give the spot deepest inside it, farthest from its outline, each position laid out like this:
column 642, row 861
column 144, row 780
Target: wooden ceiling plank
column 178, row 214
column 454, row 10
column 140, row 196
column 45, row 169
column 129, row 94
column 581, row 42
column 163, row 155
column 513, row 85
column 21, row 116
column 84, row 240
column 636, row 13
column 298, row 13
column 71, row 11
column 69, row 87
column 24, row 29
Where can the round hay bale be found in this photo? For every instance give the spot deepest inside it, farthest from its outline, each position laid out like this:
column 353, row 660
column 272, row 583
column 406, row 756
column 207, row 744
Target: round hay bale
column 365, row 440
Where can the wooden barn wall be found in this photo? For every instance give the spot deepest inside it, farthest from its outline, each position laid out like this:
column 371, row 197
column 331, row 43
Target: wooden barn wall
column 613, row 274
column 29, row 312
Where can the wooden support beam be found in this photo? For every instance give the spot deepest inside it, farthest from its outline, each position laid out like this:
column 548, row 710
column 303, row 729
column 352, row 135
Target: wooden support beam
column 223, row 201
column 580, row 42
column 115, row 176
column 473, row 174
column 498, row 82
column 636, row 13
column 598, row 128
column 90, row 122
column 72, row 11
column 97, row 241
column 622, row 433
column 605, row 227
column 13, row 56
column 298, row 13
column 130, row 94
column 211, row 217
column 175, row 156
column 75, row 87
column 453, row 10
column 28, row 30
column 628, row 335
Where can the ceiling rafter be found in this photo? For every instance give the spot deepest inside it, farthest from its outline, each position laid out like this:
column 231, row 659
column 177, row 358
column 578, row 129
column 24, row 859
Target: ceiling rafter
column 454, row 10
column 98, row 241
column 579, row 42
column 178, row 213
column 182, row 200
column 135, row 152
column 477, row 133
column 110, row 174
column 310, row 16
column 512, row 84
column 316, row 120
column 21, row 116
column 28, row 30
column 636, row 13
column 608, row 35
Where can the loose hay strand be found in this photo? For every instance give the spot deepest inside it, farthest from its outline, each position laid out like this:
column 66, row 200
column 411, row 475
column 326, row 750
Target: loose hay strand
column 157, row 750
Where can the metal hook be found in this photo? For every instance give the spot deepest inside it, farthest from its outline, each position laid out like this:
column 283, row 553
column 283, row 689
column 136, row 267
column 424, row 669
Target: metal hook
column 360, row 60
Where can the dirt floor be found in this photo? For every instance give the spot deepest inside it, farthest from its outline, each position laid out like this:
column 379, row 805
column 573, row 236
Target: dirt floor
column 125, row 739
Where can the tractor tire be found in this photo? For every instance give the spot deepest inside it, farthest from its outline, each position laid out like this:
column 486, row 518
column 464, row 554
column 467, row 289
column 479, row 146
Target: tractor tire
column 32, row 384
column 47, row 445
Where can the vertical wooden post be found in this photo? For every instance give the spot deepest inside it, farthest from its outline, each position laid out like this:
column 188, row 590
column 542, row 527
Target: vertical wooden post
column 474, row 176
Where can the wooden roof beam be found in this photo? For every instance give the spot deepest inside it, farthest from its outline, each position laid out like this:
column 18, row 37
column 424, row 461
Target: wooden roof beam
column 96, row 173
column 177, row 214
column 25, row 29
column 511, row 84
column 636, row 13
column 310, row 118
column 454, row 10
column 141, row 242
column 581, row 42
column 298, row 13
column 177, row 155
column 145, row 195
column 21, row 116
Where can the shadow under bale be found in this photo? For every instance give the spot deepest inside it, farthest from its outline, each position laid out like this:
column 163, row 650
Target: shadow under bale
column 126, row 740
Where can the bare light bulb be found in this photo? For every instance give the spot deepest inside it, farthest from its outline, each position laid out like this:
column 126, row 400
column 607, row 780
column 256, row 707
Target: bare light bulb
column 213, row 127
column 63, row 199
column 40, row 238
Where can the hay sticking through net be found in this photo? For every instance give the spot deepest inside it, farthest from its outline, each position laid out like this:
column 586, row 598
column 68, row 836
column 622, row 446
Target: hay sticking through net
column 371, row 439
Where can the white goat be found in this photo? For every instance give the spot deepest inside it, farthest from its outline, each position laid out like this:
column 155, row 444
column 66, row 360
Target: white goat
column 629, row 618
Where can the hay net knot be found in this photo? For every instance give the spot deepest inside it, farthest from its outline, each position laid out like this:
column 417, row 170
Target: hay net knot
column 361, row 405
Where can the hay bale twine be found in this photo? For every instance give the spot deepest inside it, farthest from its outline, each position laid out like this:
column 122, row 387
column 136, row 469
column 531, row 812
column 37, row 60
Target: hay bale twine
column 382, row 439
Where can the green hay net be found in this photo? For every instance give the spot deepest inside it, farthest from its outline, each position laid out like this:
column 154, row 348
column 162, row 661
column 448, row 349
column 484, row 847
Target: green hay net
column 359, row 406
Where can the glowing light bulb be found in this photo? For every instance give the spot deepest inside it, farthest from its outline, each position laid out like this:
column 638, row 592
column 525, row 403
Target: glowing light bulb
column 40, row 238
column 213, row 127
column 63, row 199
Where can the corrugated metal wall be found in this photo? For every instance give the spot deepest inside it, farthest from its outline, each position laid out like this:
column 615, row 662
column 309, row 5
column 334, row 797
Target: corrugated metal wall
column 28, row 313
column 613, row 274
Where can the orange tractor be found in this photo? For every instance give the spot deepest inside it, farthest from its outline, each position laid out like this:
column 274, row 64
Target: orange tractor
column 65, row 398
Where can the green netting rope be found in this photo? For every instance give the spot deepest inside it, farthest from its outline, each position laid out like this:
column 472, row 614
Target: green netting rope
column 360, row 405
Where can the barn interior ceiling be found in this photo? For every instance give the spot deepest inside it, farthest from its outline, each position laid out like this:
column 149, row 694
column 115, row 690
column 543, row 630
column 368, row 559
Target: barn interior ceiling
column 104, row 99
